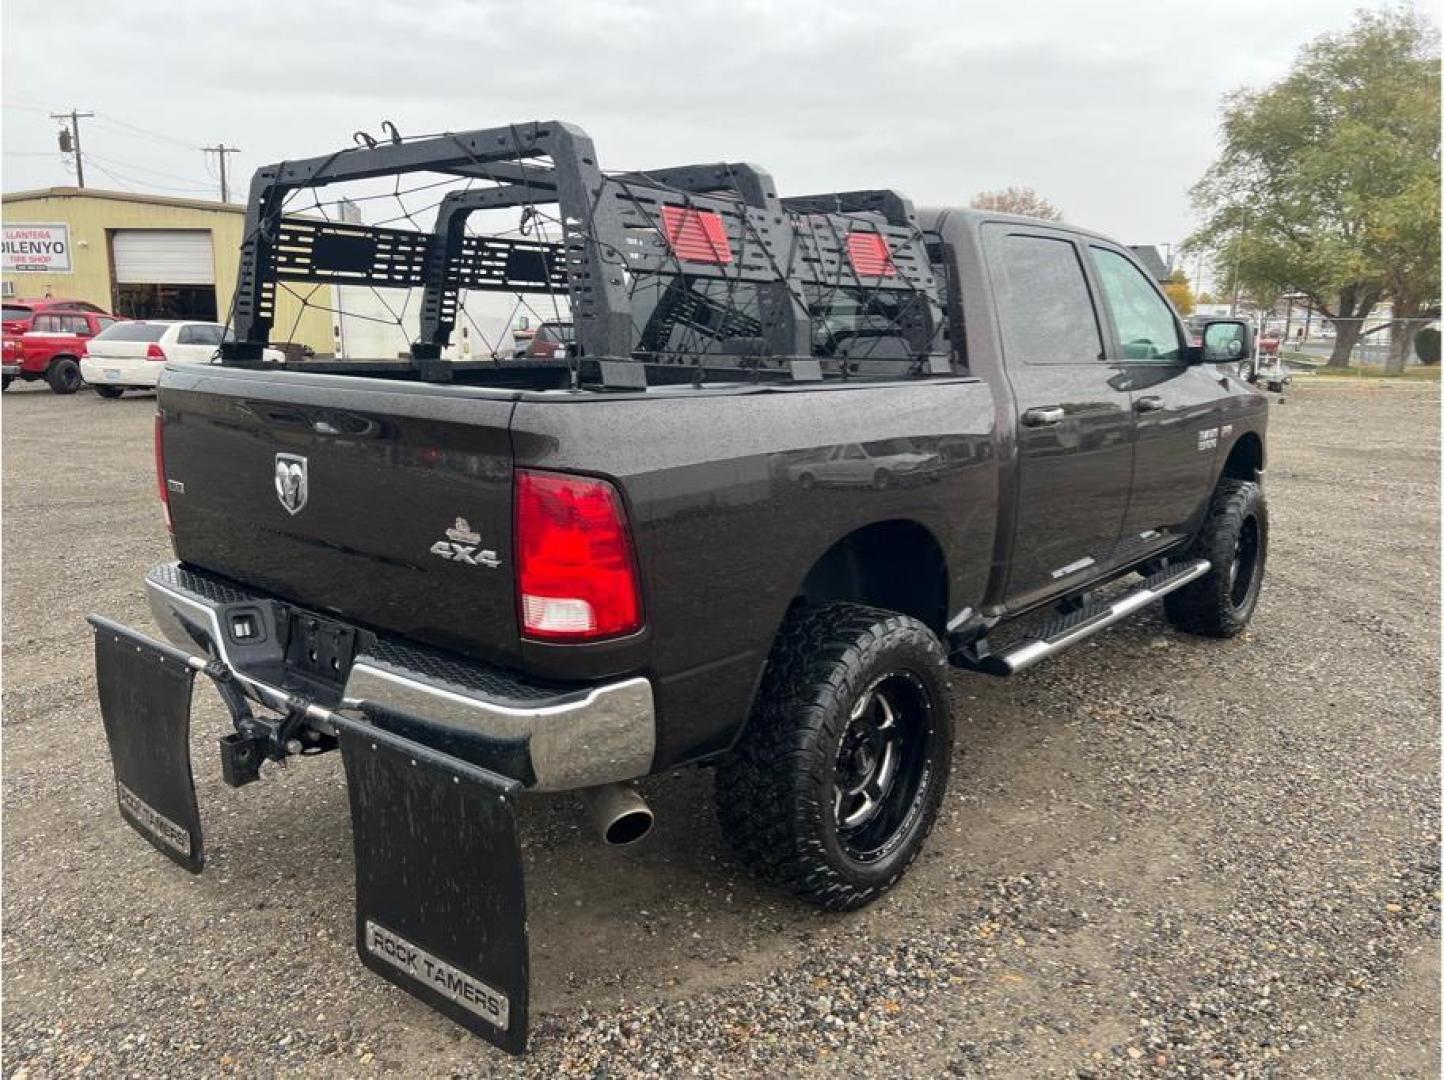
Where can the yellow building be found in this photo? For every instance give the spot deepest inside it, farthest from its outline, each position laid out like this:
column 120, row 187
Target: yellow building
column 141, row 256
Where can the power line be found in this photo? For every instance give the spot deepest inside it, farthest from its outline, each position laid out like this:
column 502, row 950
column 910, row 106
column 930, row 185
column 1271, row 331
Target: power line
column 107, row 118
column 74, row 139
column 198, row 185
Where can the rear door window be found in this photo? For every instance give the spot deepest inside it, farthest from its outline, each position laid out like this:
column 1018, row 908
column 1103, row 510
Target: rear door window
column 1044, row 305
column 1146, row 327
column 200, row 334
column 46, row 324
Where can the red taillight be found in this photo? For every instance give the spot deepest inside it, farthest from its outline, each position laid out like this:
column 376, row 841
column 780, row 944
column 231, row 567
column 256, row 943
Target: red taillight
column 154, row 352
column 576, row 573
column 161, row 485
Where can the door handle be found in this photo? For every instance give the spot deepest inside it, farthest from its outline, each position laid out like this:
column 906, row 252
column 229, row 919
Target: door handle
column 1151, row 403
column 1043, row 416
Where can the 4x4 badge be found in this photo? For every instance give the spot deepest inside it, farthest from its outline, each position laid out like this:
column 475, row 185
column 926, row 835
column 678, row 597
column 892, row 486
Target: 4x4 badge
column 463, row 545
column 291, row 485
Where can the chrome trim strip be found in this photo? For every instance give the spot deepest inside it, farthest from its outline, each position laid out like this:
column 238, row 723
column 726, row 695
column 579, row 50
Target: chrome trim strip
column 1073, row 567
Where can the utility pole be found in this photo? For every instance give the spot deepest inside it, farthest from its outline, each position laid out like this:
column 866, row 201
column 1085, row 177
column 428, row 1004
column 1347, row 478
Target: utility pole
column 221, row 150
column 73, row 138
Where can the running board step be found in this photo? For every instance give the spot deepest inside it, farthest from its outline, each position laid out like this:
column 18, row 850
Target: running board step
column 1065, row 630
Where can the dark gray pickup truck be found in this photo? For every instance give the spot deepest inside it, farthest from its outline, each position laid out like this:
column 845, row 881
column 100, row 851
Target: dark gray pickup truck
column 805, row 455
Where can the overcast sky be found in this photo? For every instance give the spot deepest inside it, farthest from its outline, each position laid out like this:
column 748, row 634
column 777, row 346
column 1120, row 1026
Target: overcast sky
column 1108, row 109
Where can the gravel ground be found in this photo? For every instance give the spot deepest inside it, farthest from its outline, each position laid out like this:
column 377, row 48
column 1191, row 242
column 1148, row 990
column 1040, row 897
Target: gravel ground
column 1160, row 855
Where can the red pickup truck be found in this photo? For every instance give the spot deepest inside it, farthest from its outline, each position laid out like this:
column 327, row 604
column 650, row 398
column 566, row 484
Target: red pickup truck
column 52, row 347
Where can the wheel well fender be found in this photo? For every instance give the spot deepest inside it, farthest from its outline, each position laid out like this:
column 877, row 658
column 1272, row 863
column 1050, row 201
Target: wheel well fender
column 897, row 565
column 1245, row 458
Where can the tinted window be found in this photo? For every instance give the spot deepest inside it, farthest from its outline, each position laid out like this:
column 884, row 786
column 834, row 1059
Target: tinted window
column 200, row 334
column 1043, row 302
column 1144, row 320
column 76, row 324
column 134, row 331
column 13, row 314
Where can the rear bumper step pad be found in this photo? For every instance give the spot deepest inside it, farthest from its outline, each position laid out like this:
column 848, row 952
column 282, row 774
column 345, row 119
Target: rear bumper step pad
column 440, row 898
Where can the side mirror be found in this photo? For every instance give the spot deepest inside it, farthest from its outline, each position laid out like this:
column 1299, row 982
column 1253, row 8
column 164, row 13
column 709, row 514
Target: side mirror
column 1226, row 341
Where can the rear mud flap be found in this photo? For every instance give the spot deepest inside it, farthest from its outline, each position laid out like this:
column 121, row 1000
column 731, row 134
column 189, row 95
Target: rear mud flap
column 440, row 903
column 145, row 703
column 440, row 898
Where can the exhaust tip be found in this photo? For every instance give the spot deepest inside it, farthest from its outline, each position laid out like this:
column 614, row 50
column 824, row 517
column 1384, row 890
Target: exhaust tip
column 620, row 815
column 629, row 828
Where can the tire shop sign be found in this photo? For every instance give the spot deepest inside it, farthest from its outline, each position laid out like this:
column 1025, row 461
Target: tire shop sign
column 28, row 246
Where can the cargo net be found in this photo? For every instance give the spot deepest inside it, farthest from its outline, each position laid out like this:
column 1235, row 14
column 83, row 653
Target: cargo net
column 699, row 267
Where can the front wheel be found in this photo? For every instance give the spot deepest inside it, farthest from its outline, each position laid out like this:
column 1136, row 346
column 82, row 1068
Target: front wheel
column 63, row 375
column 110, row 391
column 837, row 781
column 1234, row 539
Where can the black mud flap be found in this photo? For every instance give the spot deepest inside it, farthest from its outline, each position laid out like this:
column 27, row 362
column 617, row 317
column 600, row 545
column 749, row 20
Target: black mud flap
column 440, row 904
column 145, row 701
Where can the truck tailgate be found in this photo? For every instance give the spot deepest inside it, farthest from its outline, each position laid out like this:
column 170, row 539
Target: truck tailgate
column 385, row 503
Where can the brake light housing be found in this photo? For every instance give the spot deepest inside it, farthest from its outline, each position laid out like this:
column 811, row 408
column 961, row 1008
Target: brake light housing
column 576, row 568
column 154, row 352
column 161, row 486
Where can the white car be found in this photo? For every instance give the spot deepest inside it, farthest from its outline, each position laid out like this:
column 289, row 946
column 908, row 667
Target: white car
column 131, row 355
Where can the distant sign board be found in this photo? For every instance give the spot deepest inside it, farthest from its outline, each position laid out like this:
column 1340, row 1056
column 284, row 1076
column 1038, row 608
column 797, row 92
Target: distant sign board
column 31, row 247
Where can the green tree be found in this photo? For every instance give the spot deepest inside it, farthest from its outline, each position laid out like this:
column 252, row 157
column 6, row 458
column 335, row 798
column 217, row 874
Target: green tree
column 1328, row 182
column 1017, row 200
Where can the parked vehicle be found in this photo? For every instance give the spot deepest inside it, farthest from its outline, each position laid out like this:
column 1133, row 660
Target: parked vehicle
column 131, row 355
column 18, row 314
column 552, row 341
column 478, row 578
column 54, row 347
column 875, row 464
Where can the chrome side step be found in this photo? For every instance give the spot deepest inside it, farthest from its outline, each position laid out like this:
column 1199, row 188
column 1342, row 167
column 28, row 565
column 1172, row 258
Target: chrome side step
column 1069, row 629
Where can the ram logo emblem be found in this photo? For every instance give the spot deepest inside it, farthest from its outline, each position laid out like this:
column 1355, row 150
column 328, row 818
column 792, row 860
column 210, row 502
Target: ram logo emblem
column 292, row 486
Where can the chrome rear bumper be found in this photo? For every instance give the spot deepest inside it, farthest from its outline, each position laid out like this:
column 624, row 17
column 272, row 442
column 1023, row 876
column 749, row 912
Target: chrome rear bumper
column 548, row 736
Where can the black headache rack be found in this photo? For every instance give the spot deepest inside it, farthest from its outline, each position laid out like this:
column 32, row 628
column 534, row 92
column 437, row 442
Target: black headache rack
column 672, row 275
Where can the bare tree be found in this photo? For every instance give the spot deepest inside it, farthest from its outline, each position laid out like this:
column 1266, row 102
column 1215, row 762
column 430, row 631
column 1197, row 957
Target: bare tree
column 1017, row 200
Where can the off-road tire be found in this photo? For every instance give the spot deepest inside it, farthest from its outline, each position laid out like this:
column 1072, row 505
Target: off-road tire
column 775, row 795
column 1209, row 606
column 63, row 375
column 111, row 392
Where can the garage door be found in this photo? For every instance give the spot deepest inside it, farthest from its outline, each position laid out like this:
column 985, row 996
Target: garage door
column 163, row 257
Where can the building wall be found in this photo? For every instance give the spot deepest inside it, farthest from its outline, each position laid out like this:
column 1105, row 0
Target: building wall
column 90, row 219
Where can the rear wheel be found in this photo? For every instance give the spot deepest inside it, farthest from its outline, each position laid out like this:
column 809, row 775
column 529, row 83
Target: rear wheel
column 64, row 375
column 1234, row 540
column 837, row 781
column 5, row 381
column 110, row 391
